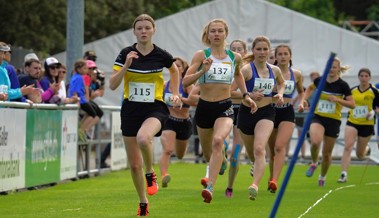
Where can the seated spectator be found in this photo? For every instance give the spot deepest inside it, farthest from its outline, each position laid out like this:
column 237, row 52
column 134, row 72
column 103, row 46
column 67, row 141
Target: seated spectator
column 77, row 88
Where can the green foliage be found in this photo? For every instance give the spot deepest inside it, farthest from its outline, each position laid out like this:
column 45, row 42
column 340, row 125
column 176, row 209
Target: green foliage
column 41, row 24
column 113, row 195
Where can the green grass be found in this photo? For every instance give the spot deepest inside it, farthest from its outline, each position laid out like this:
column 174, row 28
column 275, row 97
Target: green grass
column 113, row 195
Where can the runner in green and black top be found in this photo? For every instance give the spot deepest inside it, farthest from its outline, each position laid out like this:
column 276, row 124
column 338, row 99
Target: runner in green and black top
column 326, row 122
column 361, row 120
column 143, row 112
column 214, row 69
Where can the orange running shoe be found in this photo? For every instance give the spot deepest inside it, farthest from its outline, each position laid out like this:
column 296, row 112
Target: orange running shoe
column 272, row 186
column 204, row 182
column 165, row 180
column 151, row 183
column 143, row 209
column 207, row 194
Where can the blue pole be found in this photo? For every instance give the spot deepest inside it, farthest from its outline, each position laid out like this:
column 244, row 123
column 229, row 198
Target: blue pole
column 302, row 136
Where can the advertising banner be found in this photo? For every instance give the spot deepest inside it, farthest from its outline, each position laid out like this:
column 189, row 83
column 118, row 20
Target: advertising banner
column 118, row 152
column 43, row 143
column 12, row 148
column 69, row 148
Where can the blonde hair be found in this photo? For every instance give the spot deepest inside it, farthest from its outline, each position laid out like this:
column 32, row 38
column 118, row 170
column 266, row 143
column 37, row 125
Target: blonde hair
column 143, row 17
column 204, row 37
column 250, row 57
column 344, row 68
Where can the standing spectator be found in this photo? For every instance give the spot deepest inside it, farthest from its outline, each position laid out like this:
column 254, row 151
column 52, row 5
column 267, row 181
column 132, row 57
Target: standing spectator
column 5, row 81
column 284, row 114
column 62, row 92
column 360, row 122
column 12, row 74
column 256, row 128
column 51, row 79
column 325, row 126
column 143, row 111
column 178, row 128
column 90, row 55
column 214, row 68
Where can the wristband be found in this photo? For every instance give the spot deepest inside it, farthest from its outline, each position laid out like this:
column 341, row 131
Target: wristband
column 244, row 94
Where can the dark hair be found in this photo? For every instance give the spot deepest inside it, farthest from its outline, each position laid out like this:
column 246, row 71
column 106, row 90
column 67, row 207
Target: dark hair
column 283, row 46
column 364, row 70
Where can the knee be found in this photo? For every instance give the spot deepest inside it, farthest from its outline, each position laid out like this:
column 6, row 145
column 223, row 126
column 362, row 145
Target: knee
column 143, row 141
column 135, row 167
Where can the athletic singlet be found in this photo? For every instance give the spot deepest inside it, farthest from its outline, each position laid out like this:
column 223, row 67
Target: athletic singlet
column 143, row 80
column 326, row 108
column 365, row 101
column 256, row 83
column 221, row 71
column 167, row 94
column 289, row 86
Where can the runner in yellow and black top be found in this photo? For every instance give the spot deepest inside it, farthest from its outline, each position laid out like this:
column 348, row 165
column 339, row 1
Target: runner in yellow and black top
column 326, row 122
column 143, row 112
column 361, row 120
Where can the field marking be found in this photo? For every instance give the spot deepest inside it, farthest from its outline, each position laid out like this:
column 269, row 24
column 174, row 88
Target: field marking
column 329, row 192
column 74, row 209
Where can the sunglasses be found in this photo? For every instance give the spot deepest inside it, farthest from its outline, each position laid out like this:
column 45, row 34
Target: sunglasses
column 54, row 67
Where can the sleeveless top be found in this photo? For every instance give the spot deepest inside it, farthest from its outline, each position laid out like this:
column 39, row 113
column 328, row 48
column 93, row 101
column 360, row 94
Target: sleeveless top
column 167, row 94
column 221, row 71
column 256, row 83
column 289, row 86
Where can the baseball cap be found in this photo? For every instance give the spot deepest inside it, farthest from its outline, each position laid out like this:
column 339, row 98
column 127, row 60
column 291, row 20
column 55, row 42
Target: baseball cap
column 91, row 64
column 31, row 56
column 4, row 46
column 90, row 53
column 52, row 61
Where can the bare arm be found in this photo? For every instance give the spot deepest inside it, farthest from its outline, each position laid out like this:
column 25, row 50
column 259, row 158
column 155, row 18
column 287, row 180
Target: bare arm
column 193, row 74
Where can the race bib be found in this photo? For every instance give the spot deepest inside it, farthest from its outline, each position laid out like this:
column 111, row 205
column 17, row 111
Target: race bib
column 289, row 86
column 219, row 72
column 267, row 85
column 141, row 92
column 325, row 106
column 360, row 111
column 167, row 100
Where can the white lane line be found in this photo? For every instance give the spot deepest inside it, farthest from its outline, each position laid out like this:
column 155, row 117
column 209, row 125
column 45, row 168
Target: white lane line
column 329, row 192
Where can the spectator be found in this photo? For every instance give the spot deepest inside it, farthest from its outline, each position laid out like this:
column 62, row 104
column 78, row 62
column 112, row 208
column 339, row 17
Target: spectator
column 77, row 89
column 5, row 81
column 62, row 92
column 12, row 74
column 51, row 79
column 90, row 55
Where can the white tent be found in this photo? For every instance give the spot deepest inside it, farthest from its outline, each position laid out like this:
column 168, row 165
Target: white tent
column 311, row 40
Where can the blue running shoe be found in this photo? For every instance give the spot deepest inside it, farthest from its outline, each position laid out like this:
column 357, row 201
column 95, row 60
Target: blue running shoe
column 311, row 170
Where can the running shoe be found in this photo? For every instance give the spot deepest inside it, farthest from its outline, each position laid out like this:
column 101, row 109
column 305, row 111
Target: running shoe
column 342, row 179
column 151, row 183
column 207, row 194
column 165, row 180
column 204, row 182
column 321, row 182
column 272, row 186
column 311, row 170
column 253, row 192
column 228, row 192
column 143, row 209
column 252, row 169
